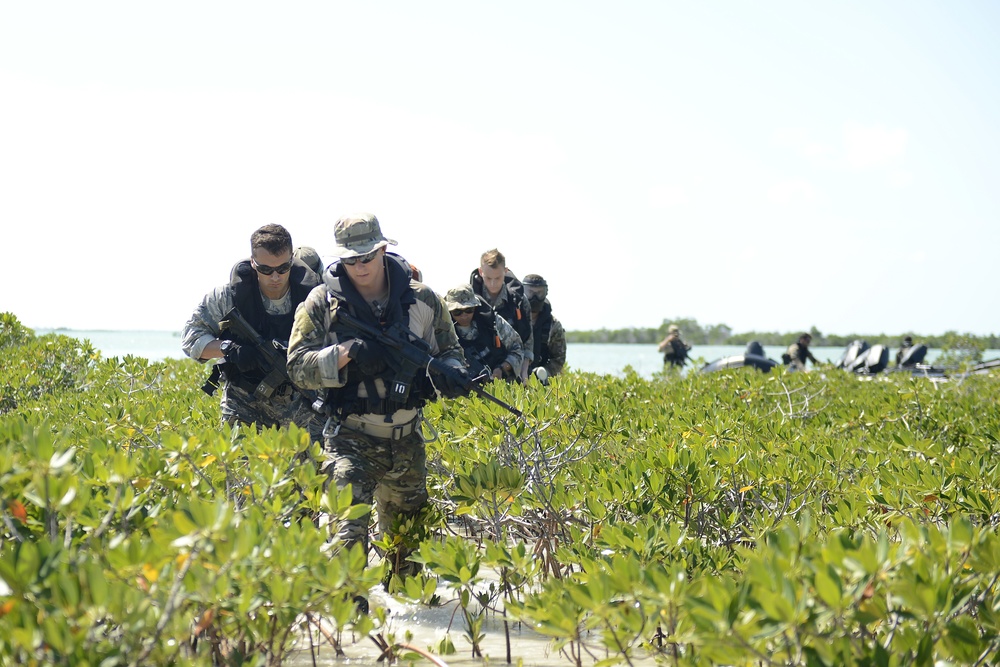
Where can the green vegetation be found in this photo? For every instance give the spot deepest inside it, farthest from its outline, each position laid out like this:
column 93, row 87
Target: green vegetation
column 721, row 334
column 733, row 518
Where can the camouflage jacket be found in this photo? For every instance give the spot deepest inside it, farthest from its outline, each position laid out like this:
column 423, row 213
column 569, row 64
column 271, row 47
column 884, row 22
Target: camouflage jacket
column 510, row 343
column 313, row 356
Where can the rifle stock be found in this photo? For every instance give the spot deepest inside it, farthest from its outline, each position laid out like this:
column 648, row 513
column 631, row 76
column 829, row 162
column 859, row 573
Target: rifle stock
column 413, row 353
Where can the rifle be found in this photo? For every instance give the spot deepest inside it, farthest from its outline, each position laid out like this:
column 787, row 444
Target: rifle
column 274, row 360
column 412, row 353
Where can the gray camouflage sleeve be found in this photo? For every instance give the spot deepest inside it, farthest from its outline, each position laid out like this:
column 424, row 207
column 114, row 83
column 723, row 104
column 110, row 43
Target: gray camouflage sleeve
column 203, row 325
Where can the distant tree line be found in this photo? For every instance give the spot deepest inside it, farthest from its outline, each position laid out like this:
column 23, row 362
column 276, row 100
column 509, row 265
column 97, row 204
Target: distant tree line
column 721, row 334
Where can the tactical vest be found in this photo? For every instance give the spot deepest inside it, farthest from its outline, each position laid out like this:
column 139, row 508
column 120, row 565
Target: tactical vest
column 511, row 309
column 676, row 354
column 486, row 348
column 248, row 301
column 541, row 330
column 343, row 294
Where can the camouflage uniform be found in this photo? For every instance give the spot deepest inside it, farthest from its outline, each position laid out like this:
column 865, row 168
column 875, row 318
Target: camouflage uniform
column 239, row 404
column 510, row 304
column 489, row 341
column 373, row 443
column 550, row 348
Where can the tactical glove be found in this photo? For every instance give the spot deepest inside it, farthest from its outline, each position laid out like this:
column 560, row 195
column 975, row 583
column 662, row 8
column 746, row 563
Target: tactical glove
column 454, row 384
column 244, row 357
column 369, row 356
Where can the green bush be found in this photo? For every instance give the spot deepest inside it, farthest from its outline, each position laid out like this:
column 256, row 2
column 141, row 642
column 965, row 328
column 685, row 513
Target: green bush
column 728, row 518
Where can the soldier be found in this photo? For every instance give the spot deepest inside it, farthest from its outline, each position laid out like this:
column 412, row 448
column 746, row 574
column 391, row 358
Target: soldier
column 265, row 290
column 675, row 350
column 798, row 353
column 501, row 289
column 546, row 331
column 490, row 344
column 373, row 439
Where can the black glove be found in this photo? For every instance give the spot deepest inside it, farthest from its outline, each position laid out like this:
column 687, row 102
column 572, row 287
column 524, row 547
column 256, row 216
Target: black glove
column 369, row 356
column 244, row 357
column 454, row 384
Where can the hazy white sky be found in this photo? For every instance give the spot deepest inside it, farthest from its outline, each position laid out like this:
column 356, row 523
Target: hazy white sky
column 768, row 165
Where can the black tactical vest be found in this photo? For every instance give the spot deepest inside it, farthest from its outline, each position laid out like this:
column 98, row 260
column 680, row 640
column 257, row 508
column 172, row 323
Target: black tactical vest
column 511, row 309
column 541, row 330
column 486, row 348
column 250, row 304
column 401, row 296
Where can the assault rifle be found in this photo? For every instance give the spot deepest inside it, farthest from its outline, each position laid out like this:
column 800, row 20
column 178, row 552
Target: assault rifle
column 412, row 354
column 274, row 360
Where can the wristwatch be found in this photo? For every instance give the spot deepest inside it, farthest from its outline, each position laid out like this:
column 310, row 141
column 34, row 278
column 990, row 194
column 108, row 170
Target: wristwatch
column 225, row 346
column 352, row 349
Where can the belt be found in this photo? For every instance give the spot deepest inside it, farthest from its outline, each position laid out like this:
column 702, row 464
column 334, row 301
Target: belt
column 383, row 431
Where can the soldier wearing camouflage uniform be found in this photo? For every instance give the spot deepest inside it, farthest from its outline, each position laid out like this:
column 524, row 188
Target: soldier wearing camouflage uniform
column 490, row 344
column 265, row 290
column 501, row 289
column 547, row 332
column 373, row 443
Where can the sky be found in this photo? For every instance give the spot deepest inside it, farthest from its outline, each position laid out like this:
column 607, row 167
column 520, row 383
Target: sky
column 772, row 166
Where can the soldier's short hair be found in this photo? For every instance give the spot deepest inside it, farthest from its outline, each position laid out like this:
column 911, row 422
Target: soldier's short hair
column 275, row 239
column 493, row 258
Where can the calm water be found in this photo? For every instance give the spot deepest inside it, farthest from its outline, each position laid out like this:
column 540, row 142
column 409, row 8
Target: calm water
column 592, row 358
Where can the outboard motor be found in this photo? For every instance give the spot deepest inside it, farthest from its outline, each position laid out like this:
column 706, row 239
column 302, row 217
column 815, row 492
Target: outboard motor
column 858, row 365
column 755, row 348
column 877, row 359
column 913, row 355
column 849, row 359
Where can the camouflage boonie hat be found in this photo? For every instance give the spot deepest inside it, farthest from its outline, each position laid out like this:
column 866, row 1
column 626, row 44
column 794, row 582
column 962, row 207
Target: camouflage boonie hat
column 460, row 297
column 358, row 234
column 311, row 258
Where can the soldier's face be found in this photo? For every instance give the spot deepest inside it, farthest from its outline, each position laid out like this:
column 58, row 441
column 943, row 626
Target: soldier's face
column 463, row 317
column 367, row 275
column 275, row 285
column 492, row 278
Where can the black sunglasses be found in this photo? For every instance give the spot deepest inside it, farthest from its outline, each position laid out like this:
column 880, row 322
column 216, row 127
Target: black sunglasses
column 462, row 311
column 364, row 259
column 266, row 270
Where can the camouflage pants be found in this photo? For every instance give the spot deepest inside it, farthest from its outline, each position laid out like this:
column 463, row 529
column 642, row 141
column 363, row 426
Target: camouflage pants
column 242, row 407
column 392, row 475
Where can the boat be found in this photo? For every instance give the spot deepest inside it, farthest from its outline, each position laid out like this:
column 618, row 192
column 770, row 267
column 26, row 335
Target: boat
column 753, row 357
